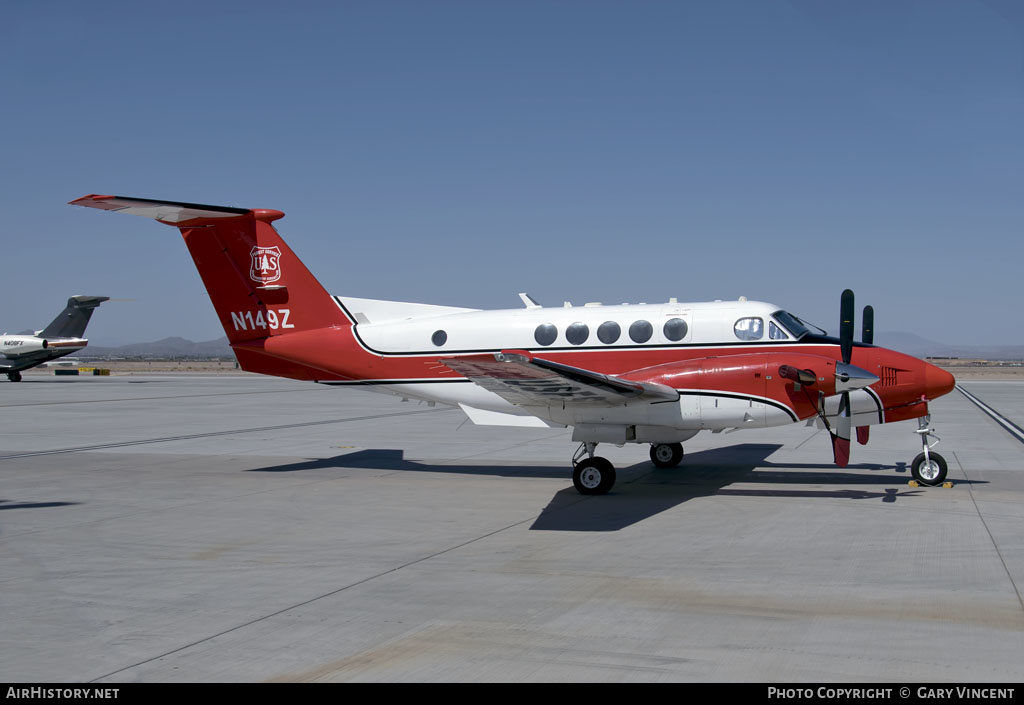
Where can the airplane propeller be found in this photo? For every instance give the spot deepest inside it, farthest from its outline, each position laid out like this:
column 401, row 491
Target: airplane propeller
column 867, row 336
column 849, row 377
column 844, row 422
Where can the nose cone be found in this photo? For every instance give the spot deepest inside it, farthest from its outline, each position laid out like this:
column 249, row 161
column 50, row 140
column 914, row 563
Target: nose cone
column 937, row 381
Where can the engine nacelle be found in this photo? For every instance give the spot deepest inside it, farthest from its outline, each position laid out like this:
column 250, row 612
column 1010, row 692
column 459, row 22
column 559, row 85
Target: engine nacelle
column 15, row 345
column 794, row 379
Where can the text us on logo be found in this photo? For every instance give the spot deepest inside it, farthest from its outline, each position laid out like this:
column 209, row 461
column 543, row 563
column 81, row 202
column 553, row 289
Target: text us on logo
column 266, row 264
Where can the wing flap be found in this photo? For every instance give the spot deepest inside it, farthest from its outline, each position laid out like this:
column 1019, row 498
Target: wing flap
column 524, row 380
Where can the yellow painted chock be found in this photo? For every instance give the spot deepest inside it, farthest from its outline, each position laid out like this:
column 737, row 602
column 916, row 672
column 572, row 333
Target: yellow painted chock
column 914, row 483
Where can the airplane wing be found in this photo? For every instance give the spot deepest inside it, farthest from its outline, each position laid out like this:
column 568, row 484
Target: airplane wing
column 524, row 380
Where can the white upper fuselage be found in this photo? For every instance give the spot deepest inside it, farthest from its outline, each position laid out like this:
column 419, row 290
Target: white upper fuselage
column 395, row 330
column 468, row 330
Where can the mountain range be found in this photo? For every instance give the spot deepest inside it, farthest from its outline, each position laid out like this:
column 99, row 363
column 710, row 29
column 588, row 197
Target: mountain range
column 921, row 347
column 173, row 347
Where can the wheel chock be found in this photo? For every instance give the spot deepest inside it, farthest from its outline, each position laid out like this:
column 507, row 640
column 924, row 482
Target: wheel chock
column 947, row 484
column 913, row 483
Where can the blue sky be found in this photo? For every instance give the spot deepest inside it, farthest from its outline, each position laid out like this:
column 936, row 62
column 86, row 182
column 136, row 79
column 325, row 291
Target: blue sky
column 460, row 152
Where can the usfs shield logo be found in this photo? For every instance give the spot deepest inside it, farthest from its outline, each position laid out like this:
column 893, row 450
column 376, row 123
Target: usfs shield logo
column 266, row 264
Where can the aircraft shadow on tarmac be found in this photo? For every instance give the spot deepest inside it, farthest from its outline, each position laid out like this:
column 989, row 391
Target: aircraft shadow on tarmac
column 644, row 491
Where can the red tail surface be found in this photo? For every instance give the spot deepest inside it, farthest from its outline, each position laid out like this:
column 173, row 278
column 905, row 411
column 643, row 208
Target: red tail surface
column 258, row 286
column 277, row 316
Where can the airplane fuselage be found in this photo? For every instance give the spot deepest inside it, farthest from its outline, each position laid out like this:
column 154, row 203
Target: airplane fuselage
column 22, row 352
column 645, row 373
column 692, row 346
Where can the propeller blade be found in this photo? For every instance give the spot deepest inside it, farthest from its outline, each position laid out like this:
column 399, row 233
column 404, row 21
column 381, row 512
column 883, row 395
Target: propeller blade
column 842, row 431
column 862, row 434
column 868, row 326
column 841, row 451
column 846, row 324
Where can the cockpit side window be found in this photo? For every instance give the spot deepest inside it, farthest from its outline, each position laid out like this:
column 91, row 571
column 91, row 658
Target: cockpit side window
column 791, row 323
column 751, row 328
column 776, row 333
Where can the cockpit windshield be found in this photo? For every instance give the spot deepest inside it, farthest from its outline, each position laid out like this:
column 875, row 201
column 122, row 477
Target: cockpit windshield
column 791, row 323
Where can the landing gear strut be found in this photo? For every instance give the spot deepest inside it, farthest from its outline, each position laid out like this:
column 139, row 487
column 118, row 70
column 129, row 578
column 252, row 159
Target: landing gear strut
column 592, row 474
column 14, row 376
column 928, row 468
column 666, row 455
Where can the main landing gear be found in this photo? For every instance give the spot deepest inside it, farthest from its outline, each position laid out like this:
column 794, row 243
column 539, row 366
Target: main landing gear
column 592, row 474
column 928, row 468
column 666, row 455
column 14, row 376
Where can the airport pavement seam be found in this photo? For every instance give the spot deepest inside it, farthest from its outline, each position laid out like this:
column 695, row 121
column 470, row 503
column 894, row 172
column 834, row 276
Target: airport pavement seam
column 556, row 432
column 974, row 501
column 1012, row 428
column 312, row 600
column 210, row 434
column 172, row 396
column 808, row 439
column 1017, row 433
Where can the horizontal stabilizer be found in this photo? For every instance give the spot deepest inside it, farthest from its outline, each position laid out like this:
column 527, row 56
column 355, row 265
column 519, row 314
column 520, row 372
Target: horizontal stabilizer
column 258, row 286
column 170, row 212
column 73, row 320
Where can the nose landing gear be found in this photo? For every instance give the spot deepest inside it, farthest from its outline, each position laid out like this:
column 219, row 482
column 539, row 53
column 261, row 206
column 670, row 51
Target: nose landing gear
column 928, row 468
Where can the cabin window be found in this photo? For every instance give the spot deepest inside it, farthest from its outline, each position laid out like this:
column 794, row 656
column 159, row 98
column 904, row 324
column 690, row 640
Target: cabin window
column 439, row 338
column 608, row 332
column 641, row 331
column 749, row 328
column 545, row 334
column 577, row 333
column 675, row 329
column 776, row 333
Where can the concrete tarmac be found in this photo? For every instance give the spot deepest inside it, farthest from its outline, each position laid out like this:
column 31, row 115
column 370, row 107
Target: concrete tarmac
column 254, row 529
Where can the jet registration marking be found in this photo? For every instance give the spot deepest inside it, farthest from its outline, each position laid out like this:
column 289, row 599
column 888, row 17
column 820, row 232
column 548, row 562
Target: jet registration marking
column 245, row 320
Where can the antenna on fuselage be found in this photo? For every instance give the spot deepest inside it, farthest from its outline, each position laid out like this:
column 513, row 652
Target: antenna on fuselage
column 528, row 300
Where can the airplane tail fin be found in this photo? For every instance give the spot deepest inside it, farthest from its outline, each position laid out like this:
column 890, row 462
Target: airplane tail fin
column 72, row 321
column 268, row 302
column 258, row 286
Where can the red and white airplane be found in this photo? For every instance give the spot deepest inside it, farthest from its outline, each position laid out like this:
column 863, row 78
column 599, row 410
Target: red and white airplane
column 647, row 373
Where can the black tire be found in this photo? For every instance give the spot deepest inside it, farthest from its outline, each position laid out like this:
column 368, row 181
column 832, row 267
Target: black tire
column 932, row 474
column 593, row 476
column 14, row 376
column 666, row 455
